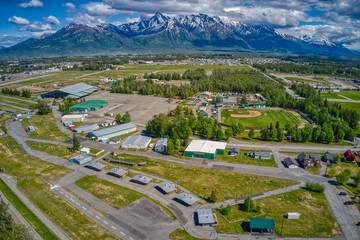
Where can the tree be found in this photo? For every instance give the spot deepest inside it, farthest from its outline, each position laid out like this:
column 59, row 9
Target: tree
column 225, row 210
column 280, row 135
column 357, row 180
column 344, row 176
column 43, row 107
column 229, row 132
column 118, row 118
column 170, row 148
column 249, row 205
column 213, row 197
column 314, row 187
column 243, row 100
column 76, row 143
column 251, row 133
column 126, row 118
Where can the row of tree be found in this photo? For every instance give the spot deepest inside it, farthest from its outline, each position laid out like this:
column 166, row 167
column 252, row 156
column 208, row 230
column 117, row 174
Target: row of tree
column 69, row 102
column 13, row 91
column 123, row 119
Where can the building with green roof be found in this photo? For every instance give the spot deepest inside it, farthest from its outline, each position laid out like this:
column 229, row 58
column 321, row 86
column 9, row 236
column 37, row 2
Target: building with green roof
column 88, row 106
column 262, row 225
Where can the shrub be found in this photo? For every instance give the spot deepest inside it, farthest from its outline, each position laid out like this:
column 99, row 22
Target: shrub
column 225, row 210
column 315, row 187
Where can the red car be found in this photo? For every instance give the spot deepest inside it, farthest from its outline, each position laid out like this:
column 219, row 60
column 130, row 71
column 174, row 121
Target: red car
column 349, row 203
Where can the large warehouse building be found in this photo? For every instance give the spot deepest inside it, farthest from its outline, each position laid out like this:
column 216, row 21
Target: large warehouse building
column 79, row 90
column 88, row 106
column 136, row 142
column 204, row 149
column 105, row 134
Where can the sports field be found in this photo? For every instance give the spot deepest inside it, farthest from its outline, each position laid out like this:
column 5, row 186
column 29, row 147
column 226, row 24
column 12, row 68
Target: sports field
column 254, row 118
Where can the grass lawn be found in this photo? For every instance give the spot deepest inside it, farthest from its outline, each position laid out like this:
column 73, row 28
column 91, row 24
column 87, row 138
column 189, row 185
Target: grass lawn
column 243, row 159
column 336, row 169
column 115, row 195
column 349, row 105
column 313, row 209
column 331, row 96
column 34, row 177
column 302, row 80
column 55, row 150
column 314, row 170
column 202, row 181
column 264, row 120
column 45, row 128
column 11, row 109
column 5, row 118
column 354, row 95
column 15, row 102
column 26, row 213
column 180, row 234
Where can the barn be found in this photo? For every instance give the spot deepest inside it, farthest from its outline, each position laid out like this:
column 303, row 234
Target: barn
column 79, row 90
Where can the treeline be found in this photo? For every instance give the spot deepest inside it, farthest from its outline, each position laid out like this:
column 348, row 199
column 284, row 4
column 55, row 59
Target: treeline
column 69, row 102
column 13, row 91
column 9, row 229
column 348, row 69
column 322, row 111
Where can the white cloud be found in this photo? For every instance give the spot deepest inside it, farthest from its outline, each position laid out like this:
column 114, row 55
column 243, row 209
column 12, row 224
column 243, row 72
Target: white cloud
column 85, row 18
column 99, row 9
column 52, row 19
column 18, row 20
column 70, row 7
column 126, row 20
column 32, row 3
column 8, row 41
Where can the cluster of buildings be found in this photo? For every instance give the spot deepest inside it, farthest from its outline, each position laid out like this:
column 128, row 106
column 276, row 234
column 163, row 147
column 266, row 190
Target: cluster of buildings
column 311, row 160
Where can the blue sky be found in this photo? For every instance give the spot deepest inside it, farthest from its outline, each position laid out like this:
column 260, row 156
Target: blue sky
column 337, row 20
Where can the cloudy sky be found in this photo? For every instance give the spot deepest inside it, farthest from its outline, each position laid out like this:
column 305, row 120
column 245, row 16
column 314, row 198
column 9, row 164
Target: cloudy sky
column 337, row 20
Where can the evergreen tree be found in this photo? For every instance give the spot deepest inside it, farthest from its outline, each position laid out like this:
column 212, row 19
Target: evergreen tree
column 251, row 133
column 126, row 118
column 280, row 135
column 170, row 148
column 118, row 118
column 76, row 143
column 213, row 197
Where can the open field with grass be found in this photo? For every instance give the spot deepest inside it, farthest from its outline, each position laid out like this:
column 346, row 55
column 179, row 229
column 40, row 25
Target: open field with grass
column 38, row 226
column 313, row 209
column 180, row 234
column 15, row 102
column 55, row 150
column 331, row 96
column 34, row 177
column 243, row 159
column 336, row 169
column 45, row 128
column 303, row 80
column 11, row 109
column 229, row 116
column 202, row 181
column 348, row 105
column 4, row 118
column 354, row 95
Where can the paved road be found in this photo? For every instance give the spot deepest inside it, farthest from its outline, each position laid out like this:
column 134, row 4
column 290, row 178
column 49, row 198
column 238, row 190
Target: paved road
column 26, row 79
column 18, row 217
column 12, row 184
column 20, row 99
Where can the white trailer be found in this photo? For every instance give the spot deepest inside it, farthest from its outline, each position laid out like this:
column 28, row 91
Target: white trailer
column 293, row 215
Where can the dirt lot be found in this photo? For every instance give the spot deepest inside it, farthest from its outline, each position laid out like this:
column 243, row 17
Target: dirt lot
column 141, row 108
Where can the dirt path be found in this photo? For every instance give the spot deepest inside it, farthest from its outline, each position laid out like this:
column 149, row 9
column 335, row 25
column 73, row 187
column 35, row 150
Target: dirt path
column 251, row 114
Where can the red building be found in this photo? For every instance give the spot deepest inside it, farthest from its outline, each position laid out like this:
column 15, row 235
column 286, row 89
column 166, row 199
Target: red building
column 349, row 156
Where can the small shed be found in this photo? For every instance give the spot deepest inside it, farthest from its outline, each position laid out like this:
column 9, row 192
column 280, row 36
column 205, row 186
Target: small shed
column 262, row 225
column 161, row 145
column 81, row 159
column 118, row 172
column 234, row 152
column 31, row 128
column 96, row 166
column 187, row 199
column 293, row 215
column 115, row 140
column 85, row 150
column 206, row 217
column 144, row 180
column 166, row 188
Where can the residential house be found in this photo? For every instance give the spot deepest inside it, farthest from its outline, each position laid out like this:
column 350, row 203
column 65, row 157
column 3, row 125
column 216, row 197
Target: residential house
column 330, row 157
column 291, row 163
column 349, row 156
column 262, row 155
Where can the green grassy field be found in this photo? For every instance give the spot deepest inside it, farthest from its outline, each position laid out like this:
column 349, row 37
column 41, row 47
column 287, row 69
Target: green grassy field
column 264, row 120
column 314, row 208
column 336, row 169
column 34, row 177
column 15, row 102
column 243, row 159
column 11, row 109
column 348, row 105
column 55, row 150
column 302, row 80
column 38, row 226
column 331, row 96
column 45, row 128
column 180, row 234
column 354, row 95
column 202, row 181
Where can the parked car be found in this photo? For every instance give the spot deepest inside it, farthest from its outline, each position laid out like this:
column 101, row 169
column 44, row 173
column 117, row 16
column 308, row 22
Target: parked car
column 349, row 203
column 342, row 193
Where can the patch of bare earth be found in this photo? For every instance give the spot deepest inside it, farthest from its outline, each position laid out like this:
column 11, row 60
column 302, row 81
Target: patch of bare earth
column 251, row 114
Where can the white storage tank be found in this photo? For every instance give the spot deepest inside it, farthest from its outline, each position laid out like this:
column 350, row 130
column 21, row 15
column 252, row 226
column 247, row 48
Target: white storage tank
column 293, row 215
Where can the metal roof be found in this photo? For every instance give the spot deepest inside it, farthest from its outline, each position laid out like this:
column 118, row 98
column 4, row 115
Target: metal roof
column 118, row 171
column 262, row 223
column 113, row 129
column 90, row 103
column 95, row 165
column 162, row 142
column 79, row 90
column 205, row 216
column 139, row 141
column 205, row 146
column 141, row 178
column 187, row 198
column 263, row 154
column 235, row 150
column 86, row 128
column 81, row 157
column 166, row 187
column 291, row 161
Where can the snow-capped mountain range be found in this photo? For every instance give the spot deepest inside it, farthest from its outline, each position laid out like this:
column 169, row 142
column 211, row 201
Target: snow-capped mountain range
column 164, row 34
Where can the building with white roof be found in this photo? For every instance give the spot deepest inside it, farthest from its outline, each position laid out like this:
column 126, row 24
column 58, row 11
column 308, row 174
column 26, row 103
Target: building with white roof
column 144, row 180
column 167, row 188
column 136, row 142
column 79, row 90
column 86, row 128
column 73, row 118
column 206, row 217
column 187, row 199
column 114, row 131
column 204, row 149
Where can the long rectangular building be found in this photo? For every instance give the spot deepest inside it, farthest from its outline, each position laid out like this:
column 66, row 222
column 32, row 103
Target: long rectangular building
column 106, row 133
column 73, row 118
column 204, row 149
column 79, row 90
